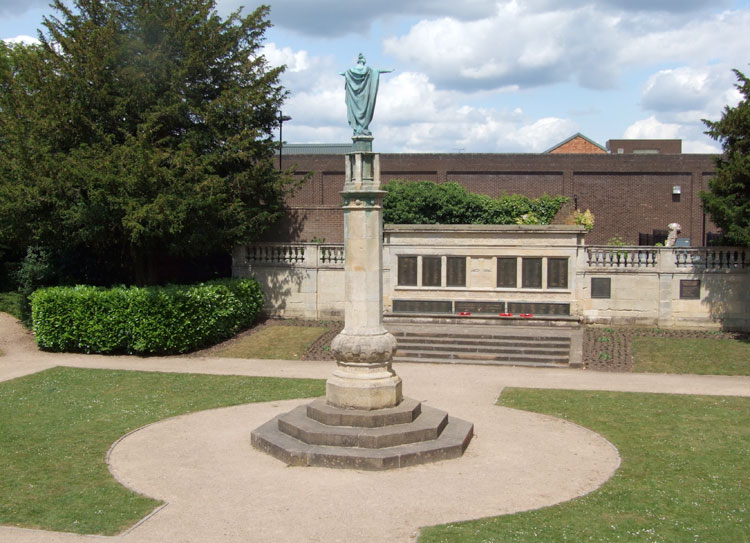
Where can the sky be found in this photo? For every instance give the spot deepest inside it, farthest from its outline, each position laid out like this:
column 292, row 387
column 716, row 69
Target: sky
column 495, row 76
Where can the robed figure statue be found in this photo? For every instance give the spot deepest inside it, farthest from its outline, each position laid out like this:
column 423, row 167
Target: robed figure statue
column 361, row 92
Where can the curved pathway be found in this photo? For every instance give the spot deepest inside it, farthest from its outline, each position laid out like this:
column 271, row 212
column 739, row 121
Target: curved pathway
column 218, row 488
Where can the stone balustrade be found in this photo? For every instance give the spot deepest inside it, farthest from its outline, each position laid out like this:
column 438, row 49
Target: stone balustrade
column 712, row 258
column 655, row 286
column 301, row 255
column 621, row 257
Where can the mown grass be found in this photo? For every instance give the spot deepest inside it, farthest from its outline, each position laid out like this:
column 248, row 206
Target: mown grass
column 56, row 427
column 274, row 342
column 685, row 474
column 10, row 302
column 703, row 356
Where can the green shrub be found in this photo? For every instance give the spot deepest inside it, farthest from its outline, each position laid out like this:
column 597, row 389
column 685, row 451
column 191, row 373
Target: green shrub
column 36, row 270
column 425, row 202
column 149, row 320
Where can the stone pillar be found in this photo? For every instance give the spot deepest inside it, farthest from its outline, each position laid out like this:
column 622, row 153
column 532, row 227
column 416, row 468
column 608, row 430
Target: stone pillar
column 364, row 378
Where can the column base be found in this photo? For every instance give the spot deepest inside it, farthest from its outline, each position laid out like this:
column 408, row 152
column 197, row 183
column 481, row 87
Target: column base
column 352, row 388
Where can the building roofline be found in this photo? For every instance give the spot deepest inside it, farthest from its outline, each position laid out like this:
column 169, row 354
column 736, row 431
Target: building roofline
column 571, row 138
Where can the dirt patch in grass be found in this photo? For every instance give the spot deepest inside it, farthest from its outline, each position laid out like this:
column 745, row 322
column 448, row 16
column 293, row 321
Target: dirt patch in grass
column 611, row 349
column 320, row 349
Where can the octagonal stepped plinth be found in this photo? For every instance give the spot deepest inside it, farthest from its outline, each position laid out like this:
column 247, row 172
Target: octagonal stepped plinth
column 320, row 434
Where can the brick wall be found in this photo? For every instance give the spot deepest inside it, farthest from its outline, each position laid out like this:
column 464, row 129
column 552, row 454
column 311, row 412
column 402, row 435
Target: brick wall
column 634, row 146
column 579, row 146
column 625, row 204
column 628, row 194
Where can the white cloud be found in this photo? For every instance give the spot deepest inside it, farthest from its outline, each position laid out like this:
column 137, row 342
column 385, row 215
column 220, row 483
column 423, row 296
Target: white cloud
column 333, row 18
column 294, row 61
column 27, row 40
column 14, row 7
column 412, row 114
column 514, row 47
column 449, row 62
column 545, row 132
column 651, row 128
column 589, row 43
column 693, row 146
column 692, row 41
column 679, row 99
column 690, row 92
column 678, row 89
column 640, row 5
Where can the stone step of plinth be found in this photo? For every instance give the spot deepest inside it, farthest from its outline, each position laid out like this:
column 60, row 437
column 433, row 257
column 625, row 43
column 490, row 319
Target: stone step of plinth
column 451, row 443
column 426, row 427
column 405, row 412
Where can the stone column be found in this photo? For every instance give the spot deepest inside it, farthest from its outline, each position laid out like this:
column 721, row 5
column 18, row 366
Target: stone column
column 364, row 378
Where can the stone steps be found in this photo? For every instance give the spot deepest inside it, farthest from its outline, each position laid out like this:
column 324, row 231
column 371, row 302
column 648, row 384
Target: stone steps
column 485, row 346
column 322, row 435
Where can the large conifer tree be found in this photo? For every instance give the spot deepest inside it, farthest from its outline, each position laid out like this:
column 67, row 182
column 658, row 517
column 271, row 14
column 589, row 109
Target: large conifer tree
column 139, row 131
column 728, row 201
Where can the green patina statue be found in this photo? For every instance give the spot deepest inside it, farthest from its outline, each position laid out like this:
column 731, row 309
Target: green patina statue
column 361, row 92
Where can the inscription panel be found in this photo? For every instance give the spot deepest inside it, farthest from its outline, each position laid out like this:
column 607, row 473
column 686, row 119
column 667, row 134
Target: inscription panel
column 407, row 270
column 690, row 289
column 422, row 306
column 601, row 287
column 536, row 308
column 480, row 307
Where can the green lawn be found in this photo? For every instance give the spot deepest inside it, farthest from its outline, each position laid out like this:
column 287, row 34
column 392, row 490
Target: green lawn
column 56, row 427
column 685, row 474
column 275, row 342
column 10, row 302
column 689, row 355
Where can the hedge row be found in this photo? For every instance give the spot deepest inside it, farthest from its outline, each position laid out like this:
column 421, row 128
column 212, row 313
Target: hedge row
column 425, row 202
column 150, row 320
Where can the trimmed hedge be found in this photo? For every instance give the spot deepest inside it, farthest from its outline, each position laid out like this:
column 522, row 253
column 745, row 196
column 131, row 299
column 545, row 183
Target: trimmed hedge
column 151, row 320
column 425, row 202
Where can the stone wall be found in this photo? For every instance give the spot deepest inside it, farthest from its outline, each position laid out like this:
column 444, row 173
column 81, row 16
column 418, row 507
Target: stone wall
column 666, row 287
column 649, row 286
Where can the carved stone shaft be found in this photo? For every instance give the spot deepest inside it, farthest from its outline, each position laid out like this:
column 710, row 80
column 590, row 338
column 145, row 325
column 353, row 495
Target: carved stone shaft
column 364, row 350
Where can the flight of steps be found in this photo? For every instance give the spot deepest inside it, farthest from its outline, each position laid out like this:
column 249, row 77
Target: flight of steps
column 481, row 345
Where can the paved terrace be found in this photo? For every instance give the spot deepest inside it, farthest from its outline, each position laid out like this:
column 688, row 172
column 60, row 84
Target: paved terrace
column 218, row 488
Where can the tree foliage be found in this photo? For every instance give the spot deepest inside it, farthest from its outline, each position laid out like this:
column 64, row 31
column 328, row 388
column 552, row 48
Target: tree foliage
column 139, row 132
column 728, row 201
column 425, row 202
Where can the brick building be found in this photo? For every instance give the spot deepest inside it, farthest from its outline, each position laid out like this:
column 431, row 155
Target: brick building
column 577, row 144
column 633, row 193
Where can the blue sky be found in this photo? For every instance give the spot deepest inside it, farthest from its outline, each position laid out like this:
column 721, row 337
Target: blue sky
column 499, row 76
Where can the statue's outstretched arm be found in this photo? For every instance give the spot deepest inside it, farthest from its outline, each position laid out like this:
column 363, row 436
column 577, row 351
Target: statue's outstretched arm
column 386, row 71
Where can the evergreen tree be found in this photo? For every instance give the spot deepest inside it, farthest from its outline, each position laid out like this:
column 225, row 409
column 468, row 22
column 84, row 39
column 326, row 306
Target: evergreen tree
column 728, row 201
column 137, row 133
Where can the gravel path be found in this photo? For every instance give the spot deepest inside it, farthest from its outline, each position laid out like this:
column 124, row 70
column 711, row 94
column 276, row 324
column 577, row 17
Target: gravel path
column 218, row 488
